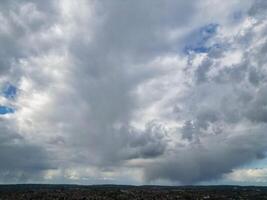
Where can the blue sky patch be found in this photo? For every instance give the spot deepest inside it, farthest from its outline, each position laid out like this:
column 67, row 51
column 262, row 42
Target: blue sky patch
column 10, row 91
column 210, row 29
column 197, row 41
column 196, row 49
column 5, row 110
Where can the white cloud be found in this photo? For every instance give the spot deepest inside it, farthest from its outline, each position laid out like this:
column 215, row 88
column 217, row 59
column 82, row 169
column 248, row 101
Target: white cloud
column 248, row 175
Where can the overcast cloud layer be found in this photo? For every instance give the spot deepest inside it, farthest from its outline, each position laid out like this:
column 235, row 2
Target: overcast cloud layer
column 168, row 92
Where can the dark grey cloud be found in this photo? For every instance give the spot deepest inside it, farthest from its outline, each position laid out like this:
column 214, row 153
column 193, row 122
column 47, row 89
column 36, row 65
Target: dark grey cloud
column 210, row 160
column 256, row 110
column 20, row 160
column 258, row 8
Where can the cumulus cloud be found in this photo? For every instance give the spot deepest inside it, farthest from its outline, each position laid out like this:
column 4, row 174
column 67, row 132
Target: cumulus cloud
column 223, row 109
column 171, row 90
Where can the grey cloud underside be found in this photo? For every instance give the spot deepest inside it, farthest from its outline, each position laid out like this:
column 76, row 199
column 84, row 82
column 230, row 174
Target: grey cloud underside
column 206, row 161
column 21, row 161
column 86, row 64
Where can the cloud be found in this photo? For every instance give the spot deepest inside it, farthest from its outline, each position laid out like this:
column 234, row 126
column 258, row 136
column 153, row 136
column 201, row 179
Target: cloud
column 210, row 158
column 248, row 175
column 223, row 110
column 171, row 90
column 21, row 161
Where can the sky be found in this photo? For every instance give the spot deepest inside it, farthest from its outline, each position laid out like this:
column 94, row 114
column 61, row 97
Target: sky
column 133, row 92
